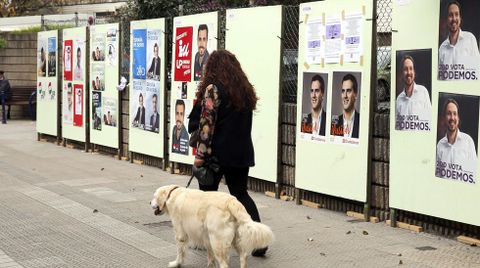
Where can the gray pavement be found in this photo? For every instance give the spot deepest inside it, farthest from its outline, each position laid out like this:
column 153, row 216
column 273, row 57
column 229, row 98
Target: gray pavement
column 62, row 207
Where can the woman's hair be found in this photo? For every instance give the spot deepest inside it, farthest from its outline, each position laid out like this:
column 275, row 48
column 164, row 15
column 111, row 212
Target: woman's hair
column 223, row 69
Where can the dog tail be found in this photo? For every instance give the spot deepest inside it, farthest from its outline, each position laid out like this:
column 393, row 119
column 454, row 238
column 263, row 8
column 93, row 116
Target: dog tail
column 250, row 234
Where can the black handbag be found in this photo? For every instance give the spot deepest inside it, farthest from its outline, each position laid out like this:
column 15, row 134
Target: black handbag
column 206, row 173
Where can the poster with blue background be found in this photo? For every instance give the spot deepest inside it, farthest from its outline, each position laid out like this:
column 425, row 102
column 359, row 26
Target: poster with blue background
column 139, row 53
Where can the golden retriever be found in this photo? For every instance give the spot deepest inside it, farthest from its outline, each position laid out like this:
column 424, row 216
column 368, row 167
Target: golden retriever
column 213, row 220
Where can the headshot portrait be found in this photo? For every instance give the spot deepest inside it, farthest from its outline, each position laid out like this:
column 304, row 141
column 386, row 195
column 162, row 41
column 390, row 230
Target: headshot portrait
column 139, row 119
column 314, row 103
column 154, row 114
column 346, row 104
column 52, row 64
column 413, row 105
column 154, row 67
column 68, row 103
column 457, row 136
column 78, row 69
column 459, row 31
column 179, row 132
column 202, row 54
column 67, row 63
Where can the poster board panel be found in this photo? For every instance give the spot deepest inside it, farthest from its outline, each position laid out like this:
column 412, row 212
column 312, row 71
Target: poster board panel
column 47, row 82
column 147, row 69
column 426, row 175
column 73, row 83
column 104, row 78
column 194, row 38
column 334, row 97
column 260, row 59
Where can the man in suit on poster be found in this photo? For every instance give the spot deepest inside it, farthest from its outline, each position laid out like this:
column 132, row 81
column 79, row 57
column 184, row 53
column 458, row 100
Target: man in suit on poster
column 155, row 117
column 139, row 120
column 315, row 121
column 347, row 124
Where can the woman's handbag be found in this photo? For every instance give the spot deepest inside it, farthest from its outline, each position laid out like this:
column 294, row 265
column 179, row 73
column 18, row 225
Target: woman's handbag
column 206, row 173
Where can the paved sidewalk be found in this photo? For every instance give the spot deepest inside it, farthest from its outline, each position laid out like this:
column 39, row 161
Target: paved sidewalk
column 62, row 207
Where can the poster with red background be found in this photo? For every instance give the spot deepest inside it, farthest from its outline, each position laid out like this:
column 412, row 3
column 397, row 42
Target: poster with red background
column 67, row 60
column 183, row 54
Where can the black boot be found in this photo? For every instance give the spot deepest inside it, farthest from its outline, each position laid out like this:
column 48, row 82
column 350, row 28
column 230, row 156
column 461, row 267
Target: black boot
column 259, row 252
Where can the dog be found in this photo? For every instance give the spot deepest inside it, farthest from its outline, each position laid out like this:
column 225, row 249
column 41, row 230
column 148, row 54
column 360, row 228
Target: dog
column 215, row 221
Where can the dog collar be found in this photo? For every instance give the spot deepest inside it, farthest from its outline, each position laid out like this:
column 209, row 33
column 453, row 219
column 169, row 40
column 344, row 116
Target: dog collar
column 173, row 189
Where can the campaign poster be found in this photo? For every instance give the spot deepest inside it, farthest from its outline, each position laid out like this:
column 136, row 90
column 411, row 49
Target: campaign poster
column 201, row 49
column 112, row 35
column 41, row 92
column 98, row 47
column 98, row 77
column 68, row 103
column 109, row 112
column 346, row 96
column 314, row 104
column 413, row 104
column 457, row 137
column 52, row 93
column 97, row 110
column 79, row 60
column 153, row 58
column 67, row 60
column 183, row 54
column 78, row 105
column 180, row 134
column 139, row 53
column 459, row 31
column 52, row 56
column 182, row 90
column 138, row 104
column 152, row 122
column 41, row 57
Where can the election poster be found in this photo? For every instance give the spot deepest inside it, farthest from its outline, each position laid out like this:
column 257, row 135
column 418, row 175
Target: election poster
column 111, row 47
column 180, row 134
column 458, row 34
column 139, row 56
column 314, row 104
column 352, row 31
column 97, row 110
column 183, row 54
column 78, row 105
column 42, row 57
column 202, row 48
column 153, row 57
column 109, row 112
column 138, row 105
column 67, row 59
column 98, row 77
column 68, row 103
column 413, row 105
column 457, row 137
column 98, row 46
column 79, row 60
column 346, row 105
column 52, row 57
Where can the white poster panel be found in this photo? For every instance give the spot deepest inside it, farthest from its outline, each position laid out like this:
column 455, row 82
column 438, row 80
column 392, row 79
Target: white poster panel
column 104, row 76
column 434, row 120
column 333, row 101
column 261, row 62
column 147, row 87
column 47, row 77
column 195, row 37
column 74, row 84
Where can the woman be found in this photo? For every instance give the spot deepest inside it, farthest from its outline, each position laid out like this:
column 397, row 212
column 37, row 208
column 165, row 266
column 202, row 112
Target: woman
column 227, row 102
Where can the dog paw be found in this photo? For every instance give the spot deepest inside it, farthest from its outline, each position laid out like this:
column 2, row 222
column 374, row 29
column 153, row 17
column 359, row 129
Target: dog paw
column 173, row 264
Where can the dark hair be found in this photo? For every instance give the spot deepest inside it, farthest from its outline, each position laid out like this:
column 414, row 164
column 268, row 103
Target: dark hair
column 455, row 2
column 78, row 49
column 354, row 81
column 447, row 102
column 202, row 27
column 180, row 102
column 407, row 57
column 223, row 69
column 141, row 95
column 156, row 45
column 318, row 78
column 154, row 96
column 2, row 72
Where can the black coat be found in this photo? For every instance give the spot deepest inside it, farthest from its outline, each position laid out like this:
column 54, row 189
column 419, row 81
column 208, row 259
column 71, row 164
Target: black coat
column 232, row 140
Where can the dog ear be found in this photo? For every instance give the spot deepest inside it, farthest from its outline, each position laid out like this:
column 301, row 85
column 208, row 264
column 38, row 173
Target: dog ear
column 164, row 194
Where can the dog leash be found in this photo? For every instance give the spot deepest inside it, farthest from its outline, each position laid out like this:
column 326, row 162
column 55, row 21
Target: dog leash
column 190, row 180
